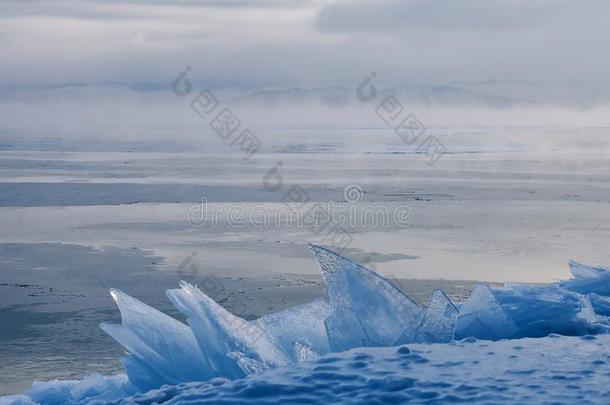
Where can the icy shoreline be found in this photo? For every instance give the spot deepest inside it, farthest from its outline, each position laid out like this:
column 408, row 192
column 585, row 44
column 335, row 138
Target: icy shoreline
column 335, row 335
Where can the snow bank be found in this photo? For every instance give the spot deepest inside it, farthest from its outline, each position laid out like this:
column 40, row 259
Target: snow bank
column 550, row 370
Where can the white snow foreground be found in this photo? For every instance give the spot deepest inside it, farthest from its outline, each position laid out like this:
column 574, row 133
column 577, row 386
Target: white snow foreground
column 361, row 309
column 550, row 370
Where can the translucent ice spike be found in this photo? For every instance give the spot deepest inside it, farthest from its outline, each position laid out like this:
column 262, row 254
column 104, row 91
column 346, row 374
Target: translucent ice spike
column 158, row 341
column 383, row 310
column 233, row 346
column 303, row 324
column 438, row 325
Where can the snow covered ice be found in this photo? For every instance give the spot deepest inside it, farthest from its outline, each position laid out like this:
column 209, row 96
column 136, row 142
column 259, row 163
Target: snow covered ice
column 278, row 357
column 550, row 370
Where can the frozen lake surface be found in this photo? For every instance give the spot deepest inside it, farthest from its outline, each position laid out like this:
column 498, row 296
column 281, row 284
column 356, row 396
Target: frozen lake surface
column 504, row 205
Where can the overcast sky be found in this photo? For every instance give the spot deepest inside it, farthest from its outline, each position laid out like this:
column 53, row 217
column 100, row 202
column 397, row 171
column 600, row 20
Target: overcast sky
column 308, row 42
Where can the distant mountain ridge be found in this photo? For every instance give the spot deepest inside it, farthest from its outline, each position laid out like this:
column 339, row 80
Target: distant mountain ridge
column 494, row 93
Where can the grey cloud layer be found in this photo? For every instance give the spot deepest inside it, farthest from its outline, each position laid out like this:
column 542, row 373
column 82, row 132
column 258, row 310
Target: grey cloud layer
column 401, row 15
column 294, row 42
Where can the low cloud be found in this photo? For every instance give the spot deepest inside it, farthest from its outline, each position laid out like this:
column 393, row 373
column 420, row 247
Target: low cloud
column 409, row 15
column 308, row 43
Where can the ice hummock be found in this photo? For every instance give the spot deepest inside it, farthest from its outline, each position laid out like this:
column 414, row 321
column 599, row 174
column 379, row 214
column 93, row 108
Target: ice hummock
column 588, row 279
column 94, row 389
column 600, row 304
column 521, row 310
column 361, row 309
column 540, row 310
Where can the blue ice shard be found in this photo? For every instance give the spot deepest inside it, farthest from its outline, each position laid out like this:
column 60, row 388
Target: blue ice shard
column 302, row 324
column 584, row 272
column 94, row 389
column 600, row 304
column 540, row 310
column 232, row 346
column 157, row 344
column 588, row 279
column 471, row 326
column 482, row 317
column 140, row 373
column 440, row 318
column 383, row 311
column 345, row 331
